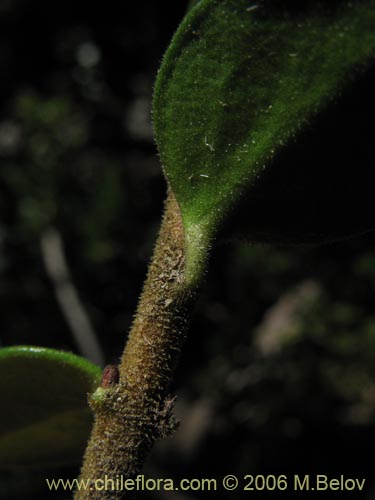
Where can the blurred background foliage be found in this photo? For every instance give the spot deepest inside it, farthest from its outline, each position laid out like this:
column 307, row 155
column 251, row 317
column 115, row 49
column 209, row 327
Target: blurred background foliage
column 278, row 371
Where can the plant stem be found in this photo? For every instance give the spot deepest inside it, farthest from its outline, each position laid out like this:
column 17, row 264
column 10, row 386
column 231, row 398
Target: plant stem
column 132, row 413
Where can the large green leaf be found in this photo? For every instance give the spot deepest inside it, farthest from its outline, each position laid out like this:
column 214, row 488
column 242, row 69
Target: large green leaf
column 239, row 84
column 44, row 417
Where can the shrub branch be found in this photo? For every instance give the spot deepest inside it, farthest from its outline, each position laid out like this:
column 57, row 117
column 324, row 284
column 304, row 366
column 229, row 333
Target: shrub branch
column 133, row 411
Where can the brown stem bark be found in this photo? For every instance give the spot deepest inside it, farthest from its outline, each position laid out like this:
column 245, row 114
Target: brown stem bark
column 131, row 413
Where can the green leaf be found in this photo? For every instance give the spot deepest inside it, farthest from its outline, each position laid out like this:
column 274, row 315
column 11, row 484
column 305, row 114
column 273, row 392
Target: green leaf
column 45, row 418
column 241, row 83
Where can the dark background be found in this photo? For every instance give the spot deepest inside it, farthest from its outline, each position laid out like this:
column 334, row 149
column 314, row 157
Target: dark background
column 278, row 371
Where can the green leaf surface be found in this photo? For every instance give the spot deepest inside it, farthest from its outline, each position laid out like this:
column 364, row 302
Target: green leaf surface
column 44, row 417
column 239, row 84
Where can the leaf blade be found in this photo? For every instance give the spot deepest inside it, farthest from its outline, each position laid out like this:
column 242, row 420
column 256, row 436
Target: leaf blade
column 44, row 392
column 237, row 83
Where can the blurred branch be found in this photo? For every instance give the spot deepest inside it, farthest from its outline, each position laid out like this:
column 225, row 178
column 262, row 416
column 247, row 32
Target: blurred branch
column 197, row 421
column 67, row 296
column 283, row 320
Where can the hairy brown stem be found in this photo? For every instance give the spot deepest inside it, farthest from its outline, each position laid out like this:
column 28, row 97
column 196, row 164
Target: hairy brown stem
column 131, row 413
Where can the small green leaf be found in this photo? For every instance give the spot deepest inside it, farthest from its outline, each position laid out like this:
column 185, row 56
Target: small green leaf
column 239, row 84
column 44, row 418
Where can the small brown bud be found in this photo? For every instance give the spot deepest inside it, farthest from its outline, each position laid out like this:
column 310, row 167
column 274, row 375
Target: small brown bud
column 110, row 376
